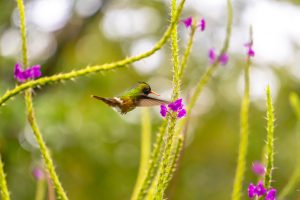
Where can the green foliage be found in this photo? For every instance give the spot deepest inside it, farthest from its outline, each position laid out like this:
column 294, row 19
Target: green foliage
column 295, row 177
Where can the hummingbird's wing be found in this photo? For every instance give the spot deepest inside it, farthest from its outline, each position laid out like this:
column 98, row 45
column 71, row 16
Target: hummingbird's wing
column 146, row 101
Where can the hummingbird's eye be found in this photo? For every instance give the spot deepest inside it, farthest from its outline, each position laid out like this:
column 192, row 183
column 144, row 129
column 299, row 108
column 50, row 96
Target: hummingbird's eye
column 147, row 90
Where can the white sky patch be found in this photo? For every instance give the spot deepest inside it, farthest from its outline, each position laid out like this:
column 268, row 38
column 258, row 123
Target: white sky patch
column 10, row 42
column 86, row 8
column 41, row 45
column 120, row 23
column 260, row 77
column 275, row 30
column 49, row 15
column 149, row 64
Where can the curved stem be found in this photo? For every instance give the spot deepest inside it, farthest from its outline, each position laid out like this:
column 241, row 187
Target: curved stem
column 44, row 150
column 30, row 111
column 91, row 69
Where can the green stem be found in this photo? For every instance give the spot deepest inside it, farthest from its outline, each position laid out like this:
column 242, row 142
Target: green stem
column 44, row 151
column 165, row 166
column 175, row 50
column 3, row 184
column 145, row 150
column 166, row 156
column 153, row 162
column 244, row 135
column 23, row 32
column 176, row 155
column 187, row 51
column 29, row 105
column 40, row 189
column 270, row 139
column 155, row 155
column 92, row 69
column 210, row 70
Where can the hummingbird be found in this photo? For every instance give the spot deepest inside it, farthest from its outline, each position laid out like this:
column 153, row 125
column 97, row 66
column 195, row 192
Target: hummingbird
column 134, row 97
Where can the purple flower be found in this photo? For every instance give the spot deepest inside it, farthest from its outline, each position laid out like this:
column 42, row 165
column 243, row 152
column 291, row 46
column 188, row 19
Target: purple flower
column 250, row 51
column 176, row 105
column 212, row 55
column 29, row 73
column 202, row 24
column 188, row 22
column 163, row 110
column 260, row 189
column 224, row 59
column 251, row 190
column 271, row 195
column 181, row 113
column 38, row 173
column 258, row 168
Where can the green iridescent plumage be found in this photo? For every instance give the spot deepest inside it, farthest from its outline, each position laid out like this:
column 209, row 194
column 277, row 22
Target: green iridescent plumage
column 135, row 97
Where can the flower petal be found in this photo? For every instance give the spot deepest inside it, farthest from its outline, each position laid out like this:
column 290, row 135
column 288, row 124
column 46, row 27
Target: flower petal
column 271, row 195
column 212, row 55
column 251, row 190
column 202, row 24
column 224, row 59
column 163, row 110
column 188, row 22
column 258, row 168
column 181, row 113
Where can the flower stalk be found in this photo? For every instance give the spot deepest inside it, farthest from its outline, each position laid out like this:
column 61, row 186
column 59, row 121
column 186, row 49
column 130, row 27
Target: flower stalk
column 244, row 133
column 30, row 111
column 270, row 139
column 145, row 150
column 3, row 185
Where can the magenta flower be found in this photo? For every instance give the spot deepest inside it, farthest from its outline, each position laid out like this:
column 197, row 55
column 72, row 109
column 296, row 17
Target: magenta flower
column 258, row 168
column 271, row 195
column 251, row 190
column 163, row 110
column 188, row 22
column 212, row 56
column 176, row 106
column 224, row 59
column 181, row 113
column 250, row 51
column 258, row 190
column 29, row 73
column 38, row 173
column 202, row 24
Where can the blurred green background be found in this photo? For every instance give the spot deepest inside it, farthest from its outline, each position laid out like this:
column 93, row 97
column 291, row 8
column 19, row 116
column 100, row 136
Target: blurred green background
column 96, row 150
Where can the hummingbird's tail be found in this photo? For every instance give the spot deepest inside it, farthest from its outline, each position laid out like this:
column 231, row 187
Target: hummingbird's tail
column 109, row 101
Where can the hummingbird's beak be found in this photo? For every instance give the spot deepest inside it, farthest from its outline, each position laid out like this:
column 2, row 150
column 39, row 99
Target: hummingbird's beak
column 152, row 92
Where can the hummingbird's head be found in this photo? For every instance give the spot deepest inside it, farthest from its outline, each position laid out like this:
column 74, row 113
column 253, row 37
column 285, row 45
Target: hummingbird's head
column 146, row 89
